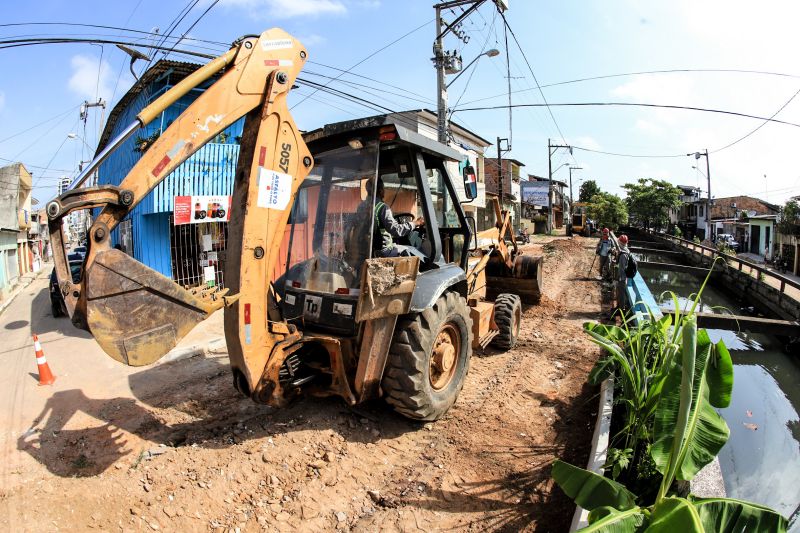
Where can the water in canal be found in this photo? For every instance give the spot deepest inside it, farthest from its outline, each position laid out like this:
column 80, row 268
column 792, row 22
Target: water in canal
column 761, row 460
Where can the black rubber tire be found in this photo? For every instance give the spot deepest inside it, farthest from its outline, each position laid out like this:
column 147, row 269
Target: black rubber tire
column 508, row 317
column 406, row 381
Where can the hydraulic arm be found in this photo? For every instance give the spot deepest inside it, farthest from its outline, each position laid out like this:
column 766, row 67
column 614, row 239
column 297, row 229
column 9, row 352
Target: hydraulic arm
column 136, row 314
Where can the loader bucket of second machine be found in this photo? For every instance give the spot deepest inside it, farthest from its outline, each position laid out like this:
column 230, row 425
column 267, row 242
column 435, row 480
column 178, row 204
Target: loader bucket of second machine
column 524, row 279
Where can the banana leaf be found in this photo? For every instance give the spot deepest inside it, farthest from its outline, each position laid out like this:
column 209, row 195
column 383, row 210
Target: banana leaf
column 610, row 520
column 672, row 515
column 725, row 515
column 590, row 490
column 688, row 435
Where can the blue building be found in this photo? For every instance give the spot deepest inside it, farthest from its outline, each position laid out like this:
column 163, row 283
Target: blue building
column 181, row 252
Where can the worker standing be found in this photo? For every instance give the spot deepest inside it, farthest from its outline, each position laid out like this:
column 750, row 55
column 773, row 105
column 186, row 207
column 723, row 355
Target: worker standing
column 623, row 258
column 603, row 250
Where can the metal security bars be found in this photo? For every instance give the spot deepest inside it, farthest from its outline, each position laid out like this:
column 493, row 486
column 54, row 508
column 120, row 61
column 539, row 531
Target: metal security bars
column 197, row 252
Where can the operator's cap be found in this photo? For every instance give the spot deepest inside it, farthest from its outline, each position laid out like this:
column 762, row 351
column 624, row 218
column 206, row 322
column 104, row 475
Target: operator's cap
column 605, row 231
column 623, row 239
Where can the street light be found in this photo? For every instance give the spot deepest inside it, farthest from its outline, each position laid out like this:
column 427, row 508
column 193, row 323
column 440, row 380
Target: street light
column 76, row 136
column 488, row 53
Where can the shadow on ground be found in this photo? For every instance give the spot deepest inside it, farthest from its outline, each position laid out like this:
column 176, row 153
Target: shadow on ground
column 190, row 402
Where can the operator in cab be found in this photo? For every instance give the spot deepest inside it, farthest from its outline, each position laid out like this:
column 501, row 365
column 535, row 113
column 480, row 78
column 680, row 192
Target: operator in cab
column 386, row 228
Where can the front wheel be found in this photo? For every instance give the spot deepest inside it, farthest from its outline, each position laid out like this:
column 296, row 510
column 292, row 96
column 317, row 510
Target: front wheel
column 429, row 359
column 508, row 317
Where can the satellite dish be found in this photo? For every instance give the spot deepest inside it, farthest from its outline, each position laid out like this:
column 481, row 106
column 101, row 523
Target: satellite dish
column 751, row 213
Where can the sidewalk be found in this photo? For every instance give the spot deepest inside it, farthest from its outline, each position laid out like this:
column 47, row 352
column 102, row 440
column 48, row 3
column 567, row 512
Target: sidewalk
column 23, row 282
column 208, row 337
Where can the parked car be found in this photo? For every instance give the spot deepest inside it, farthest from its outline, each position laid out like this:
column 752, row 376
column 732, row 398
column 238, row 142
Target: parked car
column 729, row 241
column 57, row 305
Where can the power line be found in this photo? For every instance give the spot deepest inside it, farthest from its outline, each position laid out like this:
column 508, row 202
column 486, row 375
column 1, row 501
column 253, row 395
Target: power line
column 190, row 28
column 172, row 26
column 60, row 115
column 640, row 73
column 525, row 57
column 348, row 73
column 636, row 104
column 748, row 134
column 116, row 28
column 15, row 43
column 370, row 56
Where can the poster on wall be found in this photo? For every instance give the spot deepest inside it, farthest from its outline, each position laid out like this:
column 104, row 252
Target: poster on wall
column 199, row 209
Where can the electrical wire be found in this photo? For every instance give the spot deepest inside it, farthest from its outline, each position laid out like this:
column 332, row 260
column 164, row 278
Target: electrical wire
column 190, row 28
column 751, row 132
column 637, row 104
column 640, row 73
column 15, row 43
column 172, row 27
column 26, row 130
column 541, row 92
column 116, row 28
column 371, row 55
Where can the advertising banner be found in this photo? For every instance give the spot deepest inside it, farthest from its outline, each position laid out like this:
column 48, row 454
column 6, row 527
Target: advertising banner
column 199, row 209
column 535, row 193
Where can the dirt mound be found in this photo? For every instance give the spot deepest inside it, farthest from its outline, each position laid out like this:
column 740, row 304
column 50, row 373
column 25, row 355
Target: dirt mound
column 197, row 457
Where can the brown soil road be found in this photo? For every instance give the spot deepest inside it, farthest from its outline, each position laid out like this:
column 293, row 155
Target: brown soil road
column 196, row 457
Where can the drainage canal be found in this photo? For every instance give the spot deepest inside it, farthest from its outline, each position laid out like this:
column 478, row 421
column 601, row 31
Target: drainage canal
column 761, row 460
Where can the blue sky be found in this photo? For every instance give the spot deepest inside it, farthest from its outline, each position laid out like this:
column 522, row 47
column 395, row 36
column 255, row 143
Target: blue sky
column 563, row 41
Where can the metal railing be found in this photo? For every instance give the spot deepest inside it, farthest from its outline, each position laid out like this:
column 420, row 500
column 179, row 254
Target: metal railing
column 754, row 270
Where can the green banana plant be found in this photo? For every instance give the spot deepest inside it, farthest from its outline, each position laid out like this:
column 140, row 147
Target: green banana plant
column 688, row 435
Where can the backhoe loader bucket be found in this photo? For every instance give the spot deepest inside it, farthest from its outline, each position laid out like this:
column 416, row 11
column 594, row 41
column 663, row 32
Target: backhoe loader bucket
column 525, row 280
column 136, row 314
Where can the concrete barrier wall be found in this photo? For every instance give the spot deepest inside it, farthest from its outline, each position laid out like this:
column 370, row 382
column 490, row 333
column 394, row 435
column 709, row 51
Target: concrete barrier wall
column 759, row 293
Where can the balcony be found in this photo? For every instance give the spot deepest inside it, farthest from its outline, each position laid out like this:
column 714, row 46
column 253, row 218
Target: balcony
column 24, row 219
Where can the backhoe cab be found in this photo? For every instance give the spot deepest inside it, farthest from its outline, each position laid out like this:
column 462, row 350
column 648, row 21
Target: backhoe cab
column 310, row 305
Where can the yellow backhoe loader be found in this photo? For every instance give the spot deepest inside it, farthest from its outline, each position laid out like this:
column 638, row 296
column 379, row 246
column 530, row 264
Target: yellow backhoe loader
column 309, row 306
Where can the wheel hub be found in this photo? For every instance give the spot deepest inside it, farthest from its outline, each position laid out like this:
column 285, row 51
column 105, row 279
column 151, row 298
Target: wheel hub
column 443, row 357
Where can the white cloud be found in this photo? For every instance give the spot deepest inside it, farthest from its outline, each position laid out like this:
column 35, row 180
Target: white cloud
column 647, row 126
column 312, row 40
column 283, row 9
column 85, row 80
column 2, row 100
column 587, row 142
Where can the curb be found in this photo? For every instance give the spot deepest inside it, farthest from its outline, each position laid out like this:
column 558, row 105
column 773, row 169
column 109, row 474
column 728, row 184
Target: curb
column 214, row 346
column 600, row 442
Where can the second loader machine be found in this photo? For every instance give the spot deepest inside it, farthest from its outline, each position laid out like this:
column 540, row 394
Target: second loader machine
column 309, row 307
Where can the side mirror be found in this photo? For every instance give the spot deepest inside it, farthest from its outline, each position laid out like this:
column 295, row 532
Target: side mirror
column 473, row 232
column 470, row 183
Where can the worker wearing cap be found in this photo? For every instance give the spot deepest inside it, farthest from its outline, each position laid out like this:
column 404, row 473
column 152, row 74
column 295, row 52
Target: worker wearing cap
column 621, row 277
column 603, row 250
column 386, row 228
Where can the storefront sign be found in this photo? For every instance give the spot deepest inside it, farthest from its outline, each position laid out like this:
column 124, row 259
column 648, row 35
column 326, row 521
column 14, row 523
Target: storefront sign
column 199, row 209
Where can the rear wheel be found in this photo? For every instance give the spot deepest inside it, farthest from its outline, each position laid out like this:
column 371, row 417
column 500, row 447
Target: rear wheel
column 429, row 359
column 508, row 317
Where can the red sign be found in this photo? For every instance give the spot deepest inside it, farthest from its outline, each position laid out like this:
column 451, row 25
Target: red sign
column 199, row 209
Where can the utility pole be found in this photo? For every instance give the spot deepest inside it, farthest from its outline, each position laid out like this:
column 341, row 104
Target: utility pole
column 698, row 155
column 450, row 63
column 571, row 168
column 551, row 149
column 500, row 168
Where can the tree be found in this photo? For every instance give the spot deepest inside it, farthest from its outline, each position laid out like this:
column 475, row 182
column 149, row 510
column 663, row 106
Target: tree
column 649, row 201
column 608, row 210
column 790, row 218
column 588, row 189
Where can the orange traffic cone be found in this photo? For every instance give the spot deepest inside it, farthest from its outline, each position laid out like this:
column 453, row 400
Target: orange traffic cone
column 46, row 377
